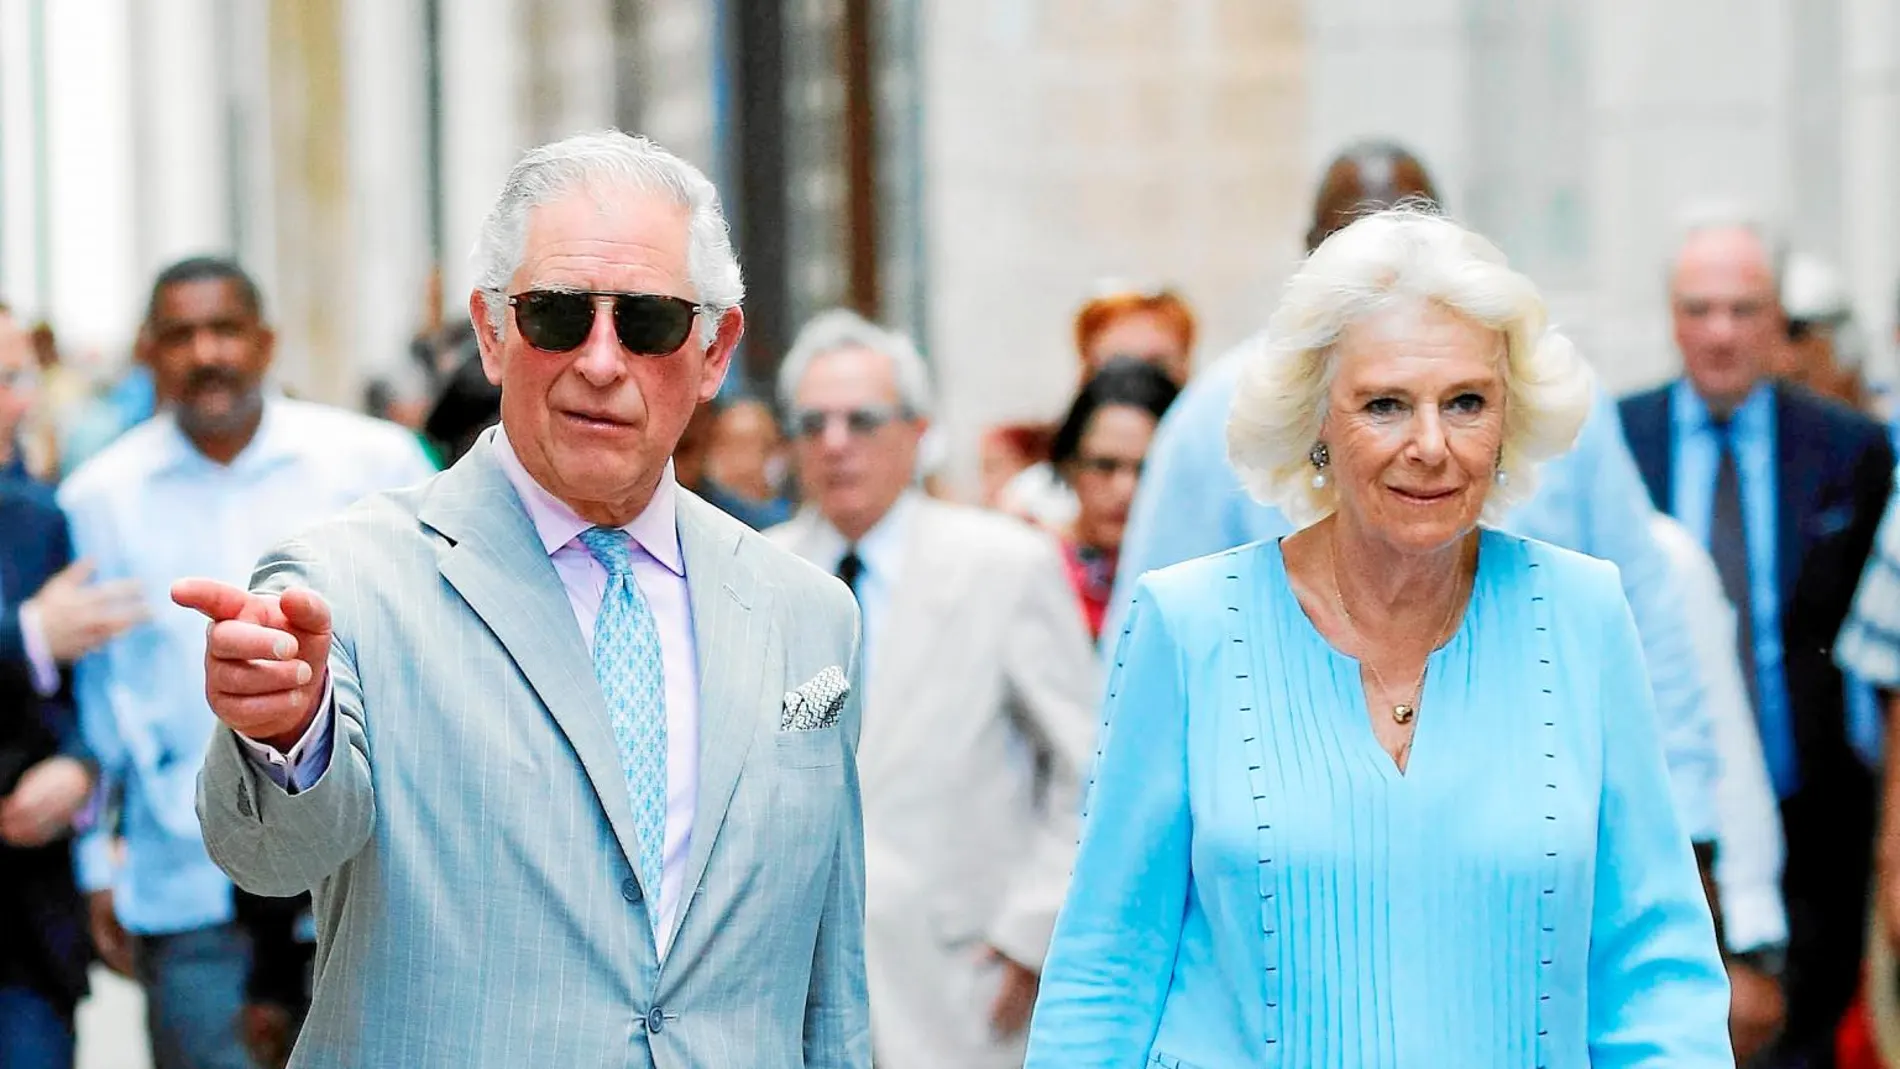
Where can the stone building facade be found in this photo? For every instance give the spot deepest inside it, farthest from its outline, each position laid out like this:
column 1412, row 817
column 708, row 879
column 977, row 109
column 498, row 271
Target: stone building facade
column 968, row 169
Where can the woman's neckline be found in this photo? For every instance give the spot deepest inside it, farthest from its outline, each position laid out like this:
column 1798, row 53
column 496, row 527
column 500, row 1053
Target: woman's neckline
column 1481, row 571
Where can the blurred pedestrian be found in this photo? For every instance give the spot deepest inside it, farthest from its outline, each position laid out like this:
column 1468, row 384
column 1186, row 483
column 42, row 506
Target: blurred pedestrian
column 466, row 402
column 746, row 463
column 1099, row 450
column 1785, row 491
column 979, row 693
column 49, row 617
column 203, row 488
column 1149, row 325
column 1827, row 350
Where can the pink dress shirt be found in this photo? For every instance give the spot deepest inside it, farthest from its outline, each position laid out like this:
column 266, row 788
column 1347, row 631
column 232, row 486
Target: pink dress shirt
column 659, row 568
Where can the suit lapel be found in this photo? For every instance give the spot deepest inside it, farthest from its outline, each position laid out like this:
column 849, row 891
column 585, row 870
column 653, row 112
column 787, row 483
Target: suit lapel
column 1798, row 482
column 1647, row 428
column 738, row 656
column 496, row 562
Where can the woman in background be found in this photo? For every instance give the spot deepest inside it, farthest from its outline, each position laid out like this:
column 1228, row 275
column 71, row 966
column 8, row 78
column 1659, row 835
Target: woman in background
column 1119, row 323
column 1098, row 450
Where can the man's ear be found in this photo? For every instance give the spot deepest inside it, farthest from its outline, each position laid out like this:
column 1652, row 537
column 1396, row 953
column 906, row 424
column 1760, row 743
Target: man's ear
column 719, row 353
column 487, row 338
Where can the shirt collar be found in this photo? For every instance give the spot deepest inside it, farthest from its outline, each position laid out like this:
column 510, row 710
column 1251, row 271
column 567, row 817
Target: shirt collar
column 1749, row 420
column 882, row 548
column 655, row 529
column 273, row 444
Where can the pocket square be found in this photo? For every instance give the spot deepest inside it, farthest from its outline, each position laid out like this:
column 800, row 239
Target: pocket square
column 816, row 704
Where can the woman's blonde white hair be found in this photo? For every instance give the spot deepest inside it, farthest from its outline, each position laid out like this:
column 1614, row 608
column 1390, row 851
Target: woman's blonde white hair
column 1391, row 258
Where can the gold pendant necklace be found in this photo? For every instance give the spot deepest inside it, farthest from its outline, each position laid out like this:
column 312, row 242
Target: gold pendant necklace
column 1404, row 711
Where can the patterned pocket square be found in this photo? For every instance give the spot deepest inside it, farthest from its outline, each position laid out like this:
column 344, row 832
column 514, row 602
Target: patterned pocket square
column 816, row 704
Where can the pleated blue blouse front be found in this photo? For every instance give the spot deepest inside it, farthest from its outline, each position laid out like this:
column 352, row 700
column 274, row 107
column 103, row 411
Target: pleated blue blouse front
column 1259, row 885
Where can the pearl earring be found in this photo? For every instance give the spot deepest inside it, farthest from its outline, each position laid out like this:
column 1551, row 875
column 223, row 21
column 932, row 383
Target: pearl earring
column 1319, row 456
column 1503, row 477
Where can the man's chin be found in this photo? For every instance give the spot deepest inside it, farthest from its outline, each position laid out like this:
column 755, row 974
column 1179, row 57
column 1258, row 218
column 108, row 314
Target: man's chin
column 221, row 420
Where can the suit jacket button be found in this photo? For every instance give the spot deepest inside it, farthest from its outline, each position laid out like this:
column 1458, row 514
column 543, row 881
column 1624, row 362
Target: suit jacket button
column 629, row 888
column 656, row 1021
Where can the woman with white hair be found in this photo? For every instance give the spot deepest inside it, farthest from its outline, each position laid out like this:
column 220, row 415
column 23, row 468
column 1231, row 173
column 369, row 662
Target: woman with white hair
column 1388, row 791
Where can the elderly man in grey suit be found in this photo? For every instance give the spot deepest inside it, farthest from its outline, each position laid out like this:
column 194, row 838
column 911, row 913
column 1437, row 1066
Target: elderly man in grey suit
column 980, row 688
column 566, row 754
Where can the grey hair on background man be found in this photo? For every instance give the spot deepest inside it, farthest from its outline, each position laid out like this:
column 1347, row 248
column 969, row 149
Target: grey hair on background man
column 1732, row 214
column 604, row 163
column 841, row 328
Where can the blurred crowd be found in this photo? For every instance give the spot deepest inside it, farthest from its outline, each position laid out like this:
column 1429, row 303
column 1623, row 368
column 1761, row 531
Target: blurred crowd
column 995, row 612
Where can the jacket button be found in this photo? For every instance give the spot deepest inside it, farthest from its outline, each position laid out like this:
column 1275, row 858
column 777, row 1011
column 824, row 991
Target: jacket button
column 656, row 1021
column 630, row 889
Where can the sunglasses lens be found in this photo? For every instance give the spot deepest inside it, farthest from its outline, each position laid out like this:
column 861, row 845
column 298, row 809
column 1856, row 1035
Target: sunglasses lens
column 863, row 421
column 554, row 322
column 652, row 324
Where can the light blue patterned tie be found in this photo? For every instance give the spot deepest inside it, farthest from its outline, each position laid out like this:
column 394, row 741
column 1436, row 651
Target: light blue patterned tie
column 633, row 680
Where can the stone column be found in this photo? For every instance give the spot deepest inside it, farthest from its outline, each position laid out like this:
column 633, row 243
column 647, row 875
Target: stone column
column 310, row 156
column 484, row 64
column 666, row 78
column 1402, row 72
column 387, row 177
column 22, row 222
column 1870, row 252
column 1066, row 141
column 95, row 295
column 180, row 125
column 571, row 69
column 1688, row 100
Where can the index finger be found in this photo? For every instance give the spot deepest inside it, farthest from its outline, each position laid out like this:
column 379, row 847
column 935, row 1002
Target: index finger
column 218, row 601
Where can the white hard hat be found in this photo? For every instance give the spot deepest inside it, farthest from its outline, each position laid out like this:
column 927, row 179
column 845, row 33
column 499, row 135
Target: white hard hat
column 1812, row 291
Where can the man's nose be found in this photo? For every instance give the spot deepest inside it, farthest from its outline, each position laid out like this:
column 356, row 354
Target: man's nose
column 204, row 348
column 836, row 434
column 601, row 360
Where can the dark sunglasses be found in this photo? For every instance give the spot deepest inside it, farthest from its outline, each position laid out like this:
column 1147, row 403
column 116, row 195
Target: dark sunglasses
column 858, row 422
column 559, row 321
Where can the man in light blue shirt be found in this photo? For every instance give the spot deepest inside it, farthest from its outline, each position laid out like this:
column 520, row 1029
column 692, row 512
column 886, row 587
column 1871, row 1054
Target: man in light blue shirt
column 203, row 488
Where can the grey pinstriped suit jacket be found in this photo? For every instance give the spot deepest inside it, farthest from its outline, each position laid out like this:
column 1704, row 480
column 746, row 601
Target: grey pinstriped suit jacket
column 471, row 845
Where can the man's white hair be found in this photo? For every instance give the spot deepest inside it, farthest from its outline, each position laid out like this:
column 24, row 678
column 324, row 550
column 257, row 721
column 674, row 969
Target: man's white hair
column 841, row 328
column 1388, row 259
column 606, row 163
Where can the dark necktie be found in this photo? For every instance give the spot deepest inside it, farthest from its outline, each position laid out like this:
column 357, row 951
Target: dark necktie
column 1728, row 544
column 850, row 568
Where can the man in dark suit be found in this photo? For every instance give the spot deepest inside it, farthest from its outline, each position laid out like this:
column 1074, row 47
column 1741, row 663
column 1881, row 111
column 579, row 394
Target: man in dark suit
column 44, row 777
column 47, row 616
column 1785, row 490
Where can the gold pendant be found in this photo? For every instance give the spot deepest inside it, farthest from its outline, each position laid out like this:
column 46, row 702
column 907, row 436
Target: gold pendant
column 1403, row 713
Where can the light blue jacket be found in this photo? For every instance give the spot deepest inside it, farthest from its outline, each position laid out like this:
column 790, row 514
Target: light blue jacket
column 1259, row 885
